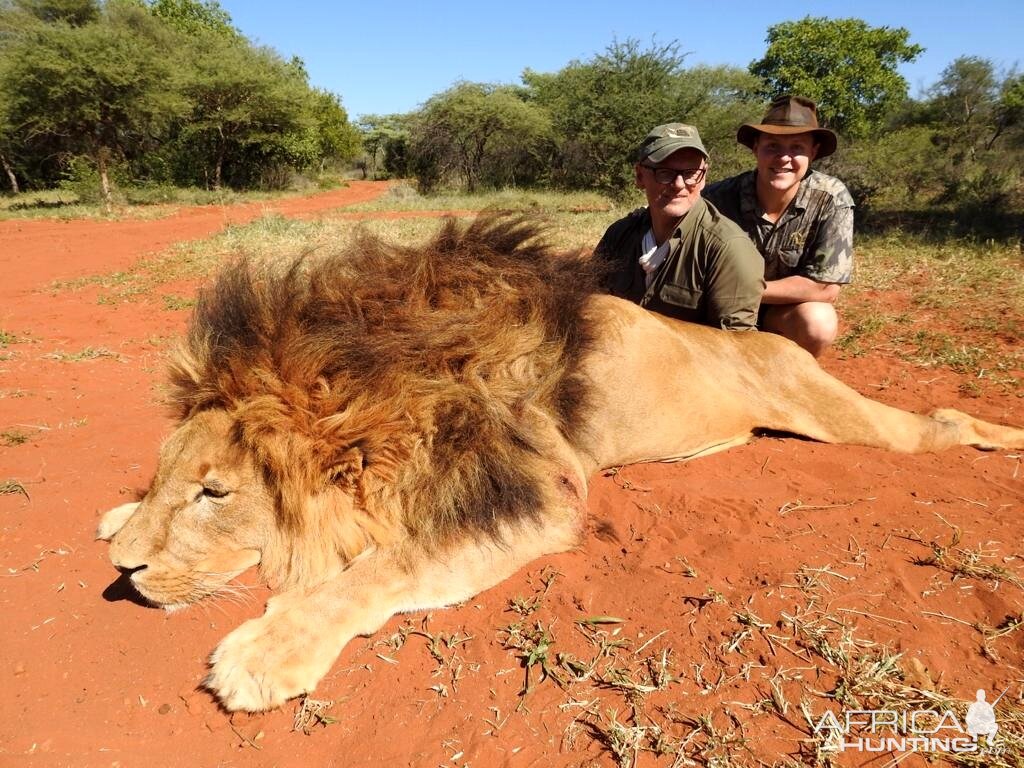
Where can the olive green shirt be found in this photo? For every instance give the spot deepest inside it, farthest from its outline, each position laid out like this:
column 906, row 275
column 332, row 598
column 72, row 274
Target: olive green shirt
column 712, row 274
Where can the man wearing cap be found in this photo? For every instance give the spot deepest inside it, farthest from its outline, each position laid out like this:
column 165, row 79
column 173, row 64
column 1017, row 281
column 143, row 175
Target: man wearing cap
column 801, row 221
column 679, row 256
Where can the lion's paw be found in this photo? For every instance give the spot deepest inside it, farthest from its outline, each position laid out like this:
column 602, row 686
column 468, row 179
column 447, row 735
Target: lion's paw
column 260, row 666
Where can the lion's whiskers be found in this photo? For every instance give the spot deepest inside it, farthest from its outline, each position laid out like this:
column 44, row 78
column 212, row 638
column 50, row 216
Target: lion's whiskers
column 235, row 593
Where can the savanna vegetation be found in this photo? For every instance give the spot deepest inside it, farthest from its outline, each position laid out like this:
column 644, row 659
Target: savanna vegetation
column 159, row 94
column 136, row 98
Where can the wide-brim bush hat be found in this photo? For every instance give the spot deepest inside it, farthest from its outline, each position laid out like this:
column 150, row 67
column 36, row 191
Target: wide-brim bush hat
column 665, row 139
column 786, row 116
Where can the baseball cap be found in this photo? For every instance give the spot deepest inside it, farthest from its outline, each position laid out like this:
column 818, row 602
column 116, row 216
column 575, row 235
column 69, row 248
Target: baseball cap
column 665, row 139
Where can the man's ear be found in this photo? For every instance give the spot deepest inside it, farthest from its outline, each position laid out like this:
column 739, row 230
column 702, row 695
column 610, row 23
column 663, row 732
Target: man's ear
column 637, row 179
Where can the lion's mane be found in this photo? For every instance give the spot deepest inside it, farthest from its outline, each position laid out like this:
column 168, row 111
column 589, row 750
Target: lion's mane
column 404, row 377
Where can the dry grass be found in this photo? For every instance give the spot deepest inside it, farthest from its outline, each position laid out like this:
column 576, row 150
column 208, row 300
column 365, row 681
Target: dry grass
column 89, row 353
column 11, row 486
column 924, row 281
column 130, row 203
column 941, row 299
column 785, row 658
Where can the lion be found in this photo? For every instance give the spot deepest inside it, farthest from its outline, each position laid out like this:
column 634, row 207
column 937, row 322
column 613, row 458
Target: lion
column 384, row 428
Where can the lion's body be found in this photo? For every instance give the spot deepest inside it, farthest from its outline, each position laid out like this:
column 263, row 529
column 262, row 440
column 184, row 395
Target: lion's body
column 396, row 429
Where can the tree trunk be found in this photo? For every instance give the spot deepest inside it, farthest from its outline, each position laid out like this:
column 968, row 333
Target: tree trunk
column 10, row 174
column 102, row 166
column 216, row 171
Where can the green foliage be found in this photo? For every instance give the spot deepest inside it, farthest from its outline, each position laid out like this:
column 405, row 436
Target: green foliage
column 247, row 115
column 479, row 135
column 967, row 176
column 601, row 109
column 194, row 17
column 1010, row 110
column 72, row 12
column 100, row 89
column 385, row 141
column 335, row 137
column 846, row 66
column 151, row 94
column 890, row 171
column 577, row 128
column 164, row 91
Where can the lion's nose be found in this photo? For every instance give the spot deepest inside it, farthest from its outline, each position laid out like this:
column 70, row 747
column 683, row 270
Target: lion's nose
column 127, row 570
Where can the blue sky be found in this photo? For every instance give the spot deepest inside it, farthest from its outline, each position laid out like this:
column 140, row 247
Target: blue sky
column 393, row 56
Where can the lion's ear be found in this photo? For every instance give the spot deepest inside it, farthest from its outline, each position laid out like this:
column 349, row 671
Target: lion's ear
column 348, row 468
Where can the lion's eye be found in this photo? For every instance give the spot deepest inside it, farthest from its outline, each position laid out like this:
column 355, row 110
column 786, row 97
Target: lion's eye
column 214, row 491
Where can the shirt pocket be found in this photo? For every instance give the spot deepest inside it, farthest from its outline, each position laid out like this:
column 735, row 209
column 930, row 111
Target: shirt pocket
column 790, row 256
column 680, row 296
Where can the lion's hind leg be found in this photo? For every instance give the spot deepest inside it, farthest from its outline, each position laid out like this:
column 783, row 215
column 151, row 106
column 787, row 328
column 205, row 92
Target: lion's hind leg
column 805, row 400
column 981, row 434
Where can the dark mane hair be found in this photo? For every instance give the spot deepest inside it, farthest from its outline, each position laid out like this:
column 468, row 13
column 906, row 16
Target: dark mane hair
column 404, row 375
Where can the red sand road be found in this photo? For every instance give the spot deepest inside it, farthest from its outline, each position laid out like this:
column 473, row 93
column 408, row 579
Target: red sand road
column 772, row 529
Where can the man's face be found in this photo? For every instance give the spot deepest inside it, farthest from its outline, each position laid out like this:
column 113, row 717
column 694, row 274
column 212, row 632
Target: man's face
column 782, row 161
column 672, row 199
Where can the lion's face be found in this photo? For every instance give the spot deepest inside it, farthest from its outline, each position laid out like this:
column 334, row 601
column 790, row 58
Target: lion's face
column 207, row 517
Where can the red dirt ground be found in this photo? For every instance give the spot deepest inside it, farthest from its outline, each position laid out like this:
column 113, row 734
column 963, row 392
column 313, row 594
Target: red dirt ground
column 89, row 678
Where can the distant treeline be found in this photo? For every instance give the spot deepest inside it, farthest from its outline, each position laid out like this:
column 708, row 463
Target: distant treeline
column 951, row 159
column 159, row 92
column 169, row 92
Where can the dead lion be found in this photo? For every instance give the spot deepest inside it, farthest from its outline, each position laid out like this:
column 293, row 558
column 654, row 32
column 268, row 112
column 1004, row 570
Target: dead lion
column 392, row 429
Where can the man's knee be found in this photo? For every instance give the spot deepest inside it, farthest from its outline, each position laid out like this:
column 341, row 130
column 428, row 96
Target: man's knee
column 821, row 325
column 813, row 325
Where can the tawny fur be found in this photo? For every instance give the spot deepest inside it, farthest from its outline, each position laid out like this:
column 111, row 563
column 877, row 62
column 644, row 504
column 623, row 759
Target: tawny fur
column 386, row 429
column 398, row 375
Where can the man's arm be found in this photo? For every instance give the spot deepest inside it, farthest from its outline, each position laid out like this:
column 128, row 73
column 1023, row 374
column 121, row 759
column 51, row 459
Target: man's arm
column 797, row 289
column 735, row 285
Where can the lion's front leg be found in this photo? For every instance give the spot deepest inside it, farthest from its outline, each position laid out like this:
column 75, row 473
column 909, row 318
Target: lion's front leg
column 288, row 650
column 269, row 660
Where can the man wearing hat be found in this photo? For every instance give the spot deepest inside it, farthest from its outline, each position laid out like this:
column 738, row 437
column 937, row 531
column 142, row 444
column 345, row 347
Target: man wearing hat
column 679, row 256
column 801, row 221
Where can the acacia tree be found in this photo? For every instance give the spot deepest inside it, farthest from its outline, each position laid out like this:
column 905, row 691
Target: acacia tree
column 972, row 107
column 75, row 13
column 478, row 134
column 846, row 66
column 247, row 110
column 5, row 146
column 1010, row 110
column 335, row 137
column 102, row 89
column 192, row 17
column 601, row 109
column 385, row 140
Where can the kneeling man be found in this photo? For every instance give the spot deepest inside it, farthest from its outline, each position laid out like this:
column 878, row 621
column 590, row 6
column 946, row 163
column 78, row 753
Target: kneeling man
column 679, row 256
column 801, row 220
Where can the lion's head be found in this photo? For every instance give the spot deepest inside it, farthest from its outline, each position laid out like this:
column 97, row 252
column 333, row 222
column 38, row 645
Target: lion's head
column 208, row 516
column 360, row 398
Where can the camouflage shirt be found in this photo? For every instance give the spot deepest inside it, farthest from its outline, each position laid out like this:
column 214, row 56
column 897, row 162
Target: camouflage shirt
column 813, row 237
